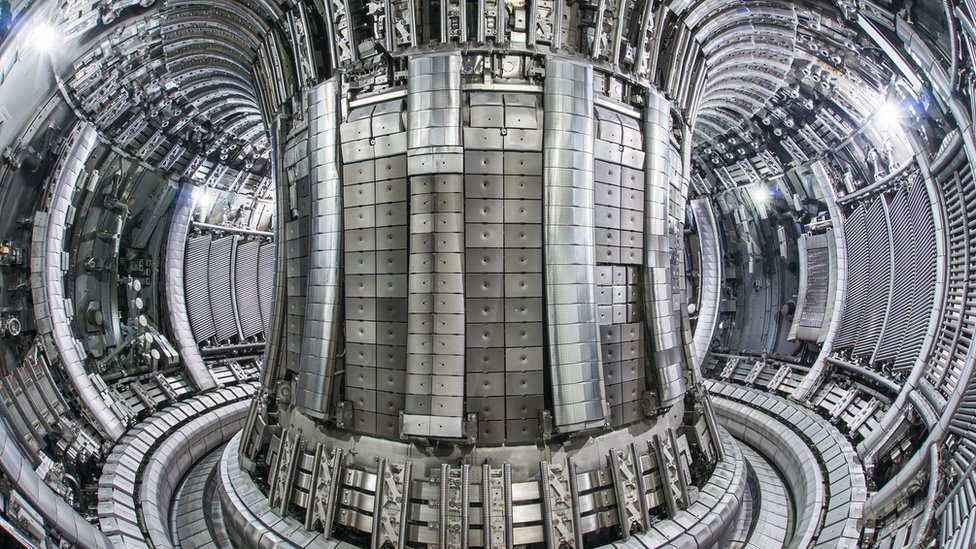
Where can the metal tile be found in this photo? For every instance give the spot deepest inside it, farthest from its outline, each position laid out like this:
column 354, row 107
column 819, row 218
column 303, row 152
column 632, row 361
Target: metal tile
column 523, row 309
column 523, row 406
column 485, row 335
column 485, row 360
column 484, row 186
column 481, row 210
column 484, row 235
column 485, row 260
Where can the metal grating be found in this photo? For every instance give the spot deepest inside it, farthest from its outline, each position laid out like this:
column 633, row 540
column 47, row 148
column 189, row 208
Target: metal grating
column 219, row 287
column 197, row 288
column 246, row 286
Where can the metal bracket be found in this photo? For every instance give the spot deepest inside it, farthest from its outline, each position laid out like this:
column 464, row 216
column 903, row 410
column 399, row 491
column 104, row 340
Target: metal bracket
column 392, row 504
column 284, row 471
column 559, row 504
column 454, row 502
column 546, row 424
column 327, row 472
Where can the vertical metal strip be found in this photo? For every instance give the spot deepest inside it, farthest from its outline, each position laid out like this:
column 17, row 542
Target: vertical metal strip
column 569, row 245
column 233, row 285
column 486, row 537
column 635, row 455
column 597, row 47
column 434, row 405
column 338, row 468
column 465, row 504
column 549, row 533
column 618, row 493
column 443, row 505
column 374, row 540
column 314, row 387
column 405, row 504
column 509, row 508
column 662, row 321
column 574, row 494
column 532, row 11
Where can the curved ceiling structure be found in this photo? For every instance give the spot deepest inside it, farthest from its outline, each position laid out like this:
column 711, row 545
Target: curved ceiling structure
column 562, row 274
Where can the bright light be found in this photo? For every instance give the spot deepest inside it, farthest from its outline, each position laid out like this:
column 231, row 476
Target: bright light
column 760, row 194
column 889, row 114
column 46, row 38
column 201, row 201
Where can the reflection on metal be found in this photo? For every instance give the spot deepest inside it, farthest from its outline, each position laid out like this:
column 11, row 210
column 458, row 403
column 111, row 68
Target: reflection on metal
column 818, row 284
column 578, row 392
column 663, row 325
column 711, row 277
column 177, row 255
column 320, row 340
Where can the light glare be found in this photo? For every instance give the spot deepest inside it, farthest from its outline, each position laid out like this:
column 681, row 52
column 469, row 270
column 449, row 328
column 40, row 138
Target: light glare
column 760, row 194
column 46, row 38
column 888, row 114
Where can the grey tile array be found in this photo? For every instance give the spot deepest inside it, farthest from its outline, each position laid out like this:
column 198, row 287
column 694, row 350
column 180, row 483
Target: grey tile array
column 191, row 504
column 434, row 403
column 375, row 203
column 503, row 266
column 773, row 522
column 145, row 468
column 818, row 461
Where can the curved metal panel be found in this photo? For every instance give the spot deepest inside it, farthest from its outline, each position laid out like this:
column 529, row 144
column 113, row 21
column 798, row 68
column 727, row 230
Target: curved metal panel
column 47, row 284
column 323, row 286
column 220, row 287
column 662, row 321
column 569, row 248
column 176, row 301
column 711, row 278
column 246, row 288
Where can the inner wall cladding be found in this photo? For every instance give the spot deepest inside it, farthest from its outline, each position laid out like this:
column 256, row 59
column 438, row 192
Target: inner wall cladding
column 498, row 202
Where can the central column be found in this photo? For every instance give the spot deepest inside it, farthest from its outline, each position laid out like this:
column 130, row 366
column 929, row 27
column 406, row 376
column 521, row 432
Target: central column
column 569, row 234
column 434, row 403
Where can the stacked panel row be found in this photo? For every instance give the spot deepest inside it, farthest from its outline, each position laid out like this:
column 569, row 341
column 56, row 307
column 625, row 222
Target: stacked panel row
column 320, row 334
column 375, row 191
column 224, row 281
column 503, row 265
column 891, row 278
column 435, row 322
column 619, row 221
column 569, row 245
